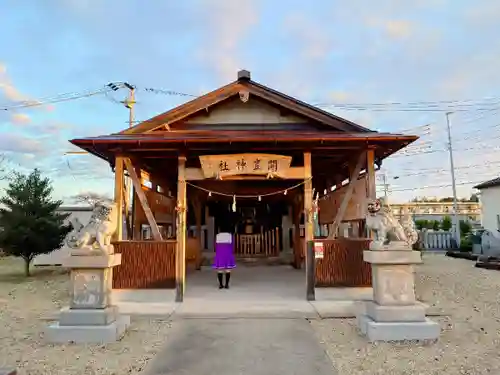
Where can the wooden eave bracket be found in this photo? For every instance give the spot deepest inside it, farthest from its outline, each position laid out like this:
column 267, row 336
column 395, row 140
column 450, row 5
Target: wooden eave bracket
column 348, row 194
column 143, row 200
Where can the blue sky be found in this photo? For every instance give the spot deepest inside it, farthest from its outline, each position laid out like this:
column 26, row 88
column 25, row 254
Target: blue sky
column 321, row 52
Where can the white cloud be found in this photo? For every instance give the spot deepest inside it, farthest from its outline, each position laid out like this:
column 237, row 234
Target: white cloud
column 9, row 91
column 393, row 28
column 20, row 118
column 18, row 143
column 315, row 41
column 229, row 23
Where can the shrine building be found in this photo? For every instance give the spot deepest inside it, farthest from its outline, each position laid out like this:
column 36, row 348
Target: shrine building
column 276, row 172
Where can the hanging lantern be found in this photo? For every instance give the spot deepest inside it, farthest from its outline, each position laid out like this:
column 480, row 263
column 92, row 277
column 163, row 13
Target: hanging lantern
column 234, row 203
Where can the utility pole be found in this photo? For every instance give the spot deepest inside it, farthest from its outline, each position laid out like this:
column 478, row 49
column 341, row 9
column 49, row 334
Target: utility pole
column 129, row 190
column 386, row 185
column 456, row 222
column 130, row 103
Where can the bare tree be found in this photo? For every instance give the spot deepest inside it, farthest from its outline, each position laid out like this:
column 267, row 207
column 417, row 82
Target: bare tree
column 90, row 198
column 4, row 170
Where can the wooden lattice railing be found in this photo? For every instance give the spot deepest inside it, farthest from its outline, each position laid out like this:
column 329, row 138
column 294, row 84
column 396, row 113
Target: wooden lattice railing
column 342, row 264
column 264, row 244
column 145, row 265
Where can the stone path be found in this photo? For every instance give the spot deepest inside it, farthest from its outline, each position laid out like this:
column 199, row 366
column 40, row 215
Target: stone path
column 241, row 347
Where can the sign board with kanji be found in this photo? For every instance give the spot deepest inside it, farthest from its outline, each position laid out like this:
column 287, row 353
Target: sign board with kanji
column 244, row 164
column 319, row 250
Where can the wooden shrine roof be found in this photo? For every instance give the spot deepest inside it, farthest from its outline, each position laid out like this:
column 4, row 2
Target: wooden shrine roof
column 236, row 88
column 337, row 147
column 333, row 141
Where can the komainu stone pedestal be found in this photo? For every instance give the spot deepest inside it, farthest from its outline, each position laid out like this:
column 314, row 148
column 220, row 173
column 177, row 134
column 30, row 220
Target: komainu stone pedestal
column 394, row 314
column 90, row 318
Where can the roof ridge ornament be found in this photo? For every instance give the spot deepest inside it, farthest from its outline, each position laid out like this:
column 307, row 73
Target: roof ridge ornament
column 244, row 75
column 244, row 95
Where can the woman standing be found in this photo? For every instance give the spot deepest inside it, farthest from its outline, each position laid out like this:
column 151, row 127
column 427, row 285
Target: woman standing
column 224, row 258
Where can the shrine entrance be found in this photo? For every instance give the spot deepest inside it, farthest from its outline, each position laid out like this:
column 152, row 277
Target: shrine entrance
column 239, row 159
column 256, row 226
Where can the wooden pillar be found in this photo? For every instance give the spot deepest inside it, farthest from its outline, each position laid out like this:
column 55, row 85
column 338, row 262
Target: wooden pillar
column 119, row 188
column 180, row 256
column 308, row 217
column 297, row 249
column 198, row 212
column 308, row 199
column 137, row 223
column 371, row 188
column 370, row 173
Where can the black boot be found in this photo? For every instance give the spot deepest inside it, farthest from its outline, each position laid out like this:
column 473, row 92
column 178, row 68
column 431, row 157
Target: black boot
column 228, row 276
column 219, row 277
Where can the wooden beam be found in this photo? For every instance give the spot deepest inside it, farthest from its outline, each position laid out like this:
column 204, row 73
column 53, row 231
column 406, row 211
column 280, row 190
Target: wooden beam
column 293, row 173
column 370, row 172
column 180, row 256
column 348, row 194
column 119, row 188
column 308, row 207
column 126, row 204
column 198, row 213
column 144, row 201
column 308, row 198
column 297, row 209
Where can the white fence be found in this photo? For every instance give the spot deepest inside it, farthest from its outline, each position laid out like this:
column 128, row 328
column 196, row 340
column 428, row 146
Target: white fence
column 435, row 240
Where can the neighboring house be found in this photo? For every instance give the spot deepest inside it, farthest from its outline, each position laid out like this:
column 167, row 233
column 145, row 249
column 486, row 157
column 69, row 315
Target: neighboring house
column 468, row 211
column 489, row 196
column 55, row 258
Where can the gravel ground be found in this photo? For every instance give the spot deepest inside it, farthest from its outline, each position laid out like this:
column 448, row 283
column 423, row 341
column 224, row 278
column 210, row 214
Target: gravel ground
column 470, row 337
column 469, row 344
column 24, row 305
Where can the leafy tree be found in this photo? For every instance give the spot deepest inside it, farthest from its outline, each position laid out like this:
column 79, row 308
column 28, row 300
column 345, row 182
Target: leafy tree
column 465, row 227
column 5, row 171
column 446, row 223
column 29, row 220
column 435, row 224
column 446, row 199
column 474, row 198
column 420, row 224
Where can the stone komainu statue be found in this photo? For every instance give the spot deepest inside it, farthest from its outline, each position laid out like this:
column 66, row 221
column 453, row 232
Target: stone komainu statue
column 386, row 227
column 96, row 234
column 410, row 229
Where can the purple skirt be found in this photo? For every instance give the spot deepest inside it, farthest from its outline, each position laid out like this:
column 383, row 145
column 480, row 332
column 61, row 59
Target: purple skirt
column 224, row 257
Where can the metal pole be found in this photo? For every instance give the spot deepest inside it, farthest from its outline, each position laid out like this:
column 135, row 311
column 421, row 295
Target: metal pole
column 456, row 225
column 130, row 191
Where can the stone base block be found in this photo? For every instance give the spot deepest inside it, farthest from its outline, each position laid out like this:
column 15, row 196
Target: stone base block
column 392, row 257
column 393, row 245
column 57, row 333
column 382, row 313
column 80, row 317
column 398, row 331
column 393, row 284
column 92, row 261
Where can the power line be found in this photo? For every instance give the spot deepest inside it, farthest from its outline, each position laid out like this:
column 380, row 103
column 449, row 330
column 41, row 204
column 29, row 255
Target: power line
column 63, row 97
column 168, row 92
column 426, row 171
column 438, row 186
column 421, row 102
